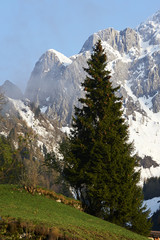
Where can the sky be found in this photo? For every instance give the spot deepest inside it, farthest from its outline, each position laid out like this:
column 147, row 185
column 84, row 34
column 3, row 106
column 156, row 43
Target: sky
column 28, row 28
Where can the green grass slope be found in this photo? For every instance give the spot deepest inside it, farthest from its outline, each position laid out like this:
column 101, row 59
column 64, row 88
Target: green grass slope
column 70, row 221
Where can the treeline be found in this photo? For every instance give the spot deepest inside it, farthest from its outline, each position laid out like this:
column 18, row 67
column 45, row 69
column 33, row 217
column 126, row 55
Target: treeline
column 151, row 188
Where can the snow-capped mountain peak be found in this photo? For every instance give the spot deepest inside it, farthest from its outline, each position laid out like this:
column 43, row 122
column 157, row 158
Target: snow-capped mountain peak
column 150, row 29
column 52, row 57
column 62, row 58
column 133, row 57
column 155, row 17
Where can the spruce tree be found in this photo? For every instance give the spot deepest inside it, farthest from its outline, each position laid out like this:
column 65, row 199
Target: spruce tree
column 99, row 163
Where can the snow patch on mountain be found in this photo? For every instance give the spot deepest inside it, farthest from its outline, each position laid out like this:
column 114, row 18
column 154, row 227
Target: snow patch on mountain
column 66, row 130
column 147, row 49
column 118, row 56
column 62, row 58
column 109, row 48
column 153, row 205
column 144, row 132
column 146, row 135
column 43, row 109
column 29, row 117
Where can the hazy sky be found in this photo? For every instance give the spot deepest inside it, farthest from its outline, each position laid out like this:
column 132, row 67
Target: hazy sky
column 29, row 27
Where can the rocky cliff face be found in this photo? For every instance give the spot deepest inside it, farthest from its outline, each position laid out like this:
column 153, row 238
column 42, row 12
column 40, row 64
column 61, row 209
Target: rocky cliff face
column 133, row 58
column 55, row 83
column 134, row 62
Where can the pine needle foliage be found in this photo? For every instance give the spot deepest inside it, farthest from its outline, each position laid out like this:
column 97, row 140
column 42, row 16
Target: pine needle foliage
column 99, row 163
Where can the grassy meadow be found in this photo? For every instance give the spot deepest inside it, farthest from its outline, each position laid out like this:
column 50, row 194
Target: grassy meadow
column 66, row 221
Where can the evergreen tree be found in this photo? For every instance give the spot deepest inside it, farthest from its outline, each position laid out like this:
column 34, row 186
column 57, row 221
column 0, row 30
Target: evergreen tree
column 9, row 165
column 98, row 161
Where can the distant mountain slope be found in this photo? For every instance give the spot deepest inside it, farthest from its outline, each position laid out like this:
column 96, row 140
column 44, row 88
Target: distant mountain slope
column 11, row 90
column 21, row 115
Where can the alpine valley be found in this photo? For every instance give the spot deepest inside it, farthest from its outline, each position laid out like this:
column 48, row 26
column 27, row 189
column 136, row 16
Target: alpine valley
column 55, row 86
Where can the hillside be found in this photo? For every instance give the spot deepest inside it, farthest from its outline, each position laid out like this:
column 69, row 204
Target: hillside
column 39, row 212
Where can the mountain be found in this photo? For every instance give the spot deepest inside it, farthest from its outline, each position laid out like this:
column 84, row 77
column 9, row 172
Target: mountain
column 132, row 58
column 134, row 62
column 11, row 90
column 55, row 83
column 55, row 86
